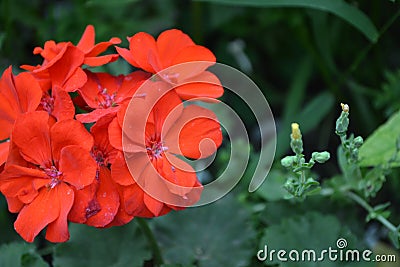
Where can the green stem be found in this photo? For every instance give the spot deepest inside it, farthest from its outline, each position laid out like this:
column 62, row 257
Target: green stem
column 157, row 256
column 370, row 209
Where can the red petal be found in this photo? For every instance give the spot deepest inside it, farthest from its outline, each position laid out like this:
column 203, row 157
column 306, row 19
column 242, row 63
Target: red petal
column 154, row 106
column 21, row 182
column 122, row 217
column 31, row 135
column 44, row 209
column 87, row 40
column 69, row 132
column 180, row 176
column 57, row 231
column 78, row 166
column 4, row 148
column 169, row 106
column 96, row 114
column 120, row 172
column 14, row 157
column 101, row 60
column 14, row 204
column 63, row 106
column 170, row 43
column 84, row 204
column 205, row 84
column 66, row 67
column 190, row 62
column 153, row 205
column 29, row 92
column 101, row 47
column 195, row 53
column 199, row 133
column 143, row 47
column 75, row 81
column 127, row 55
column 133, row 202
column 108, row 199
column 130, row 84
column 101, row 140
column 115, row 134
column 18, row 94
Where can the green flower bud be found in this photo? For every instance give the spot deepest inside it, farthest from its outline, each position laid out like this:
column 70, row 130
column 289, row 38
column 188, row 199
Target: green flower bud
column 342, row 123
column 321, row 157
column 288, row 161
column 358, row 141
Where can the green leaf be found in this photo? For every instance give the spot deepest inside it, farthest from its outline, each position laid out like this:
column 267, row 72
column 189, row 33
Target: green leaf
column 215, row 235
column 116, row 246
column 339, row 8
column 307, row 232
column 272, row 188
column 380, row 146
column 20, row 254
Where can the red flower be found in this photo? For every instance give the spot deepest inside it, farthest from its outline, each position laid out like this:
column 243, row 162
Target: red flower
column 66, row 57
column 166, row 57
column 99, row 203
column 63, row 75
column 18, row 94
column 85, row 52
column 52, row 51
column 47, row 162
column 152, row 144
column 105, row 93
column 92, row 50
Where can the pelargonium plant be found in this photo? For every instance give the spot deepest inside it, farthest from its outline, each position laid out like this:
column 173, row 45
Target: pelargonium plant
column 89, row 147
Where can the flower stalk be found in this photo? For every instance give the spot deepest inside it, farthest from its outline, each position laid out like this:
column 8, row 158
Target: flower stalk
column 144, row 226
column 299, row 185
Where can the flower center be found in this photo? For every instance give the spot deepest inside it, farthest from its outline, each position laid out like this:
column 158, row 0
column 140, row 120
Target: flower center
column 155, row 149
column 104, row 99
column 54, row 175
column 99, row 156
column 47, row 102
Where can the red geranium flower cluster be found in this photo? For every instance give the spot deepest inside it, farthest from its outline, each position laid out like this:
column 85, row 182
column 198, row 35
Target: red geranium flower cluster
column 55, row 171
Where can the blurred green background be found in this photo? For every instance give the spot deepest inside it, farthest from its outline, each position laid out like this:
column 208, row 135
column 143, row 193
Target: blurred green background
column 305, row 60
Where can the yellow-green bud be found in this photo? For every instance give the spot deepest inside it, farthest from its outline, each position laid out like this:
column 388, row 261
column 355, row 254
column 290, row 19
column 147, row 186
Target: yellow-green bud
column 345, row 107
column 296, row 134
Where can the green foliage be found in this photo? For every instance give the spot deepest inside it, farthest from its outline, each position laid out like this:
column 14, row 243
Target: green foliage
column 272, row 189
column 117, row 246
column 338, row 7
column 20, row 254
column 387, row 98
column 382, row 145
column 303, row 232
column 217, row 234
